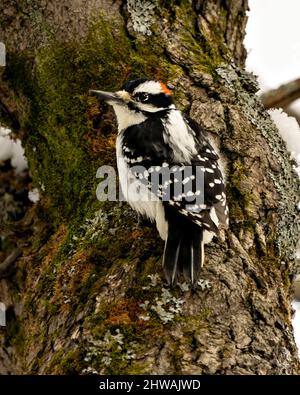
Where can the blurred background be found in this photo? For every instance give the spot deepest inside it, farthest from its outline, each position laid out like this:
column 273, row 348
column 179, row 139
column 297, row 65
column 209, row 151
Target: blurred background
column 273, row 47
column 272, row 41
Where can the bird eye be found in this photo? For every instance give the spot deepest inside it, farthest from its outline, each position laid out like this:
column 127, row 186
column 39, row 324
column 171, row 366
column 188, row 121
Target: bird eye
column 142, row 97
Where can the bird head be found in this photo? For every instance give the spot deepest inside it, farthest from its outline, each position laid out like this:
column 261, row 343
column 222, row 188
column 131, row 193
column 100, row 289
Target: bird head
column 137, row 100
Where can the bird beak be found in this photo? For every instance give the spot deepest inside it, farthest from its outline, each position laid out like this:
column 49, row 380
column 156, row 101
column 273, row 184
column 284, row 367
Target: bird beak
column 120, row 96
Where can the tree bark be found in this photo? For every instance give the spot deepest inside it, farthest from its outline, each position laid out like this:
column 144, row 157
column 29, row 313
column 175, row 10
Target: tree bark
column 88, row 294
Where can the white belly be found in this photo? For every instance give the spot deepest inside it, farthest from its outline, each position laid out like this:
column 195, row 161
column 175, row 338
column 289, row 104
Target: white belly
column 139, row 197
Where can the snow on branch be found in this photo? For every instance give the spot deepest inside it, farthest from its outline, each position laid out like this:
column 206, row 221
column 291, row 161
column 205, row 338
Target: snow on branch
column 13, row 150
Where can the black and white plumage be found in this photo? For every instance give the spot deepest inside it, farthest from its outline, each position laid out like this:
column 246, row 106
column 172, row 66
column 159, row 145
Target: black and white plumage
column 162, row 155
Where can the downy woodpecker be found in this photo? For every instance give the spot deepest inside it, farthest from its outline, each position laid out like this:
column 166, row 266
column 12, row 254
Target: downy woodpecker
column 169, row 173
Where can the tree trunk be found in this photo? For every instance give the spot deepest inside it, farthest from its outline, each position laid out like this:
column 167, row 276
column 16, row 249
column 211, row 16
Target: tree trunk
column 88, row 295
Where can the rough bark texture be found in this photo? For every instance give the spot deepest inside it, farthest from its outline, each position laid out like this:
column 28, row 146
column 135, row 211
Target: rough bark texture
column 87, row 294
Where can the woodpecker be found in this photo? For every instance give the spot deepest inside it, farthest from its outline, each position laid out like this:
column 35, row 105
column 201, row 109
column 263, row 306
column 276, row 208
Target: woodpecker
column 169, row 172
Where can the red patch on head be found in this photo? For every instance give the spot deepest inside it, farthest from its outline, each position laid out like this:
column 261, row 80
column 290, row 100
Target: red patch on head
column 165, row 89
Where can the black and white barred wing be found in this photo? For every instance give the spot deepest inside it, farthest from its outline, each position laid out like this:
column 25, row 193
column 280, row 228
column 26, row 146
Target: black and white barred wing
column 195, row 191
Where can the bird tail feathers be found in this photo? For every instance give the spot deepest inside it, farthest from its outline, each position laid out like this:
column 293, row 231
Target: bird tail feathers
column 183, row 254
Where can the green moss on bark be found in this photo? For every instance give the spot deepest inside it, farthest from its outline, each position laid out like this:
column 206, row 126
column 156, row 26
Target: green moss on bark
column 63, row 124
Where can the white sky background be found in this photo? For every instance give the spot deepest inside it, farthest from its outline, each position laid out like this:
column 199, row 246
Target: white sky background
column 273, row 45
column 273, row 41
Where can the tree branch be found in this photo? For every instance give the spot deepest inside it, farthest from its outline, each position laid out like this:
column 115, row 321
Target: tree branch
column 283, row 96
